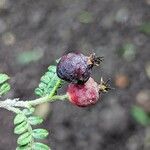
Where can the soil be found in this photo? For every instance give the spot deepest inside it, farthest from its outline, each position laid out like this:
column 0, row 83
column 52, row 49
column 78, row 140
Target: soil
column 56, row 27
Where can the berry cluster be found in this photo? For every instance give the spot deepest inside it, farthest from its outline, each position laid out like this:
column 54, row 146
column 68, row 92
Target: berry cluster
column 76, row 69
column 82, row 91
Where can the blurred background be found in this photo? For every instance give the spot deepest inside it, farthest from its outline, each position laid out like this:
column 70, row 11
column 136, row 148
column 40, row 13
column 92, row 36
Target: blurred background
column 34, row 33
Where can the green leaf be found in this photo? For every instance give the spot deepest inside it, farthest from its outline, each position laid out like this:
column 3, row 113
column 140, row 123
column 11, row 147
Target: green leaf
column 3, row 78
column 29, row 112
column 40, row 133
column 4, row 88
column 19, row 119
column 34, row 120
column 21, row 128
column 85, row 17
column 24, row 139
column 49, row 83
column 27, row 57
column 127, row 51
column 40, row 146
column 24, row 148
column 140, row 116
column 145, row 28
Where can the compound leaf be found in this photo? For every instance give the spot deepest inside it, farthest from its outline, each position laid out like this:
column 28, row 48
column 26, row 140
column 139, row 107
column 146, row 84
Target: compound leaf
column 49, row 83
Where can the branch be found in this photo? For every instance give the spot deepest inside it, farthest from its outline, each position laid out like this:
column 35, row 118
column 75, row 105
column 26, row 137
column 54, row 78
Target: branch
column 47, row 99
column 11, row 104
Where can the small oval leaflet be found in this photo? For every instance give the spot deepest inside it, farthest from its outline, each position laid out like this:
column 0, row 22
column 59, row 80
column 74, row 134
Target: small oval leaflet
column 40, row 133
column 40, row 146
column 3, row 78
column 34, row 120
column 19, row 119
column 24, row 139
column 21, row 128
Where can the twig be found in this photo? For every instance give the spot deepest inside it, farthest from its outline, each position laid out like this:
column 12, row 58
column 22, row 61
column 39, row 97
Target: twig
column 14, row 104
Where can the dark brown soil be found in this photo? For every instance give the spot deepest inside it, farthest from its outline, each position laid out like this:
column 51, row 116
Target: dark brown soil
column 57, row 27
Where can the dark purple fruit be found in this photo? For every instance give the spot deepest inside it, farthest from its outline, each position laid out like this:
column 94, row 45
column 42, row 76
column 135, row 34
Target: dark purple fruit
column 76, row 67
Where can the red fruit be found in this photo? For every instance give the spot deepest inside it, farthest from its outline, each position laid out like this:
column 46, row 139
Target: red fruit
column 76, row 67
column 84, row 95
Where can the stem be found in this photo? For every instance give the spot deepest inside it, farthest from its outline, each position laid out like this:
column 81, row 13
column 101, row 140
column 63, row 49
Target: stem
column 47, row 99
column 11, row 104
column 13, row 109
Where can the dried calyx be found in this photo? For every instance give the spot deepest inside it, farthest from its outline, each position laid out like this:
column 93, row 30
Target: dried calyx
column 104, row 86
column 94, row 61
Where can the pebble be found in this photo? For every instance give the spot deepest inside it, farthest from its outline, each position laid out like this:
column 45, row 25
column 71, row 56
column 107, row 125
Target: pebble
column 147, row 69
column 114, row 119
column 147, row 2
column 108, row 21
column 147, row 139
column 2, row 26
column 143, row 99
column 134, row 142
column 61, row 133
column 121, row 81
column 122, row 15
column 36, row 17
column 4, row 4
column 8, row 38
